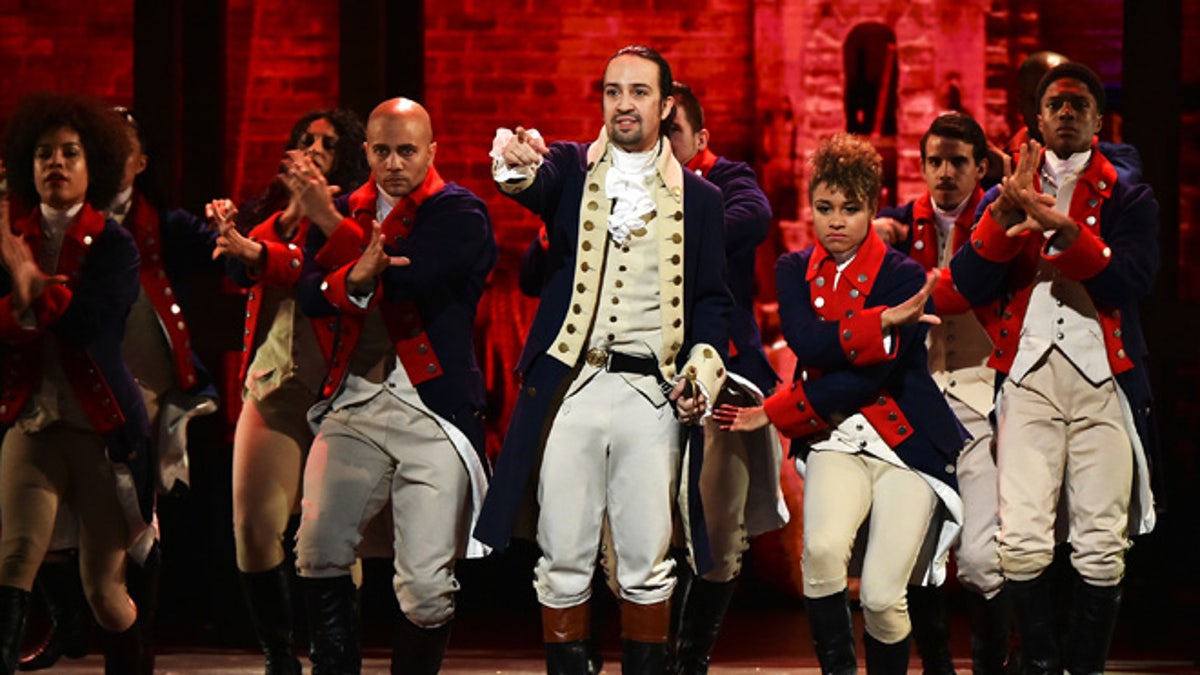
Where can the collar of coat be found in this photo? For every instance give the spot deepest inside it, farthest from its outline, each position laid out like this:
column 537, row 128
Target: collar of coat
column 862, row 270
column 668, row 168
column 365, row 197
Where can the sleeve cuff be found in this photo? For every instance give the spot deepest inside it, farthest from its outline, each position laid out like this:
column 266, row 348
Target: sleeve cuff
column 1086, row 257
column 704, row 365
column 281, row 264
column 862, row 338
column 345, row 245
column 337, row 293
column 991, row 241
column 792, row 413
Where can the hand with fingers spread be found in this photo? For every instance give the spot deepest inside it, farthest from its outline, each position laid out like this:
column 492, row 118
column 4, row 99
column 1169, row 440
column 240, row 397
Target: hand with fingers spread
column 913, row 309
column 373, row 261
column 28, row 279
column 312, row 196
column 1017, row 185
column 690, row 402
column 734, row 418
column 1038, row 208
column 230, row 242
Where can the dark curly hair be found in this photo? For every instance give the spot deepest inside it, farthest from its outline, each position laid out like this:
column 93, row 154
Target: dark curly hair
column 350, row 168
column 101, row 132
column 849, row 164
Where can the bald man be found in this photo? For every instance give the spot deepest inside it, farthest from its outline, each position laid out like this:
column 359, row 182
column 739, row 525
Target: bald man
column 399, row 276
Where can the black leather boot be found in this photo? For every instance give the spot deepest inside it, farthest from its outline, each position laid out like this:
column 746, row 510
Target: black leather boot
column 885, row 659
column 332, row 605
column 991, row 621
column 833, row 633
column 14, row 602
column 567, row 658
column 930, row 630
column 122, row 651
column 1033, row 616
column 700, row 623
column 269, row 599
column 142, row 583
column 59, row 588
column 418, row 651
column 643, row 658
column 1090, row 626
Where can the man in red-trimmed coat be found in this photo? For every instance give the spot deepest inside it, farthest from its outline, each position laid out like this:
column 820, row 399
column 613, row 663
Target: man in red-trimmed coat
column 1067, row 250
column 400, row 416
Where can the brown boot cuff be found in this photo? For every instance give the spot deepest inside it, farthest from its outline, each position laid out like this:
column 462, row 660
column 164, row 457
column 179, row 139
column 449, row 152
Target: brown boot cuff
column 569, row 624
column 645, row 623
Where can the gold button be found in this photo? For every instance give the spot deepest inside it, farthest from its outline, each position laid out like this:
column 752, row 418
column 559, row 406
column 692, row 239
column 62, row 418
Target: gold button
column 577, row 309
column 564, row 347
column 583, row 267
column 571, row 328
column 679, row 215
column 677, row 237
column 620, row 284
column 675, row 259
column 587, row 246
column 616, row 301
column 596, row 358
column 708, row 353
column 580, row 287
column 677, row 323
column 531, row 391
column 593, row 187
column 677, row 280
column 588, row 225
column 674, row 302
column 592, row 206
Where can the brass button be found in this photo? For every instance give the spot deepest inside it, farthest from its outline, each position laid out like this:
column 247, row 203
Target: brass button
column 588, row 225
column 592, row 206
column 677, row 237
column 587, row 246
column 597, row 358
column 593, row 187
column 563, row 347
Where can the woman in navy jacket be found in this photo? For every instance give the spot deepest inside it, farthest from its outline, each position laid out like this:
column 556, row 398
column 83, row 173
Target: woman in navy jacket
column 74, row 420
column 873, row 435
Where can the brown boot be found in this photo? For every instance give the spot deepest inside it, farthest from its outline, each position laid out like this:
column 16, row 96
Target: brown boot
column 565, row 632
column 644, row 637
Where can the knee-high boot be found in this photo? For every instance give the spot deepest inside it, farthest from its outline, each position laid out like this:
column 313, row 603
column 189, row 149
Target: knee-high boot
column 142, row 583
column 332, row 605
column 565, row 632
column 930, row 630
column 644, row 637
column 122, row 651
column 700, row 622
column 14, row 602
column 59, row 588
column 269, row 599
column 1090, row 626
column 416, row 650
column 833, row 633
column 885, row 659
column 1033, row 616
column 991, row 622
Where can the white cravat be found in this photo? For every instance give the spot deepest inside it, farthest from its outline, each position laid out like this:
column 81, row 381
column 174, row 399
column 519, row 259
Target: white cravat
column 119, row 208
column 626, row 183
column 54, row 225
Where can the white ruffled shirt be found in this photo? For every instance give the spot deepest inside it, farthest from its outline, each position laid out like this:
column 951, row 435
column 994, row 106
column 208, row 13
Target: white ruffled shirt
column 627, row 183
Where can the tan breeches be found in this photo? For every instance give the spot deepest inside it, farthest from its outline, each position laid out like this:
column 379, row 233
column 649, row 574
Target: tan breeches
column 269, row 447
column 39, row 471
column 840, row 491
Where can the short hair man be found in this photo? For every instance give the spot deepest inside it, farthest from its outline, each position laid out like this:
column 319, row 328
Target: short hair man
column 1063, row 253
column 930, row 229
column 401, row 410
column 632, row 312
column 739, row 482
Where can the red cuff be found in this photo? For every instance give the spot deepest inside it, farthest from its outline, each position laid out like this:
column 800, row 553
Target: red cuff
column 337, row 292
column 861, row 337
column 345, row 245
column 991, row 241
column 946, row 298
column 47, row 309
column 54, row 302
column 791, row 412
column 281, row 264
column 1086, row 257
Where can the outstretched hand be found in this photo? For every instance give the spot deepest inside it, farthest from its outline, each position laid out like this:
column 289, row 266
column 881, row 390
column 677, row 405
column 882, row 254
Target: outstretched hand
column 230, row 242
column 524, row 149
column 373, row 261
column 912, row 310
column 734, row 418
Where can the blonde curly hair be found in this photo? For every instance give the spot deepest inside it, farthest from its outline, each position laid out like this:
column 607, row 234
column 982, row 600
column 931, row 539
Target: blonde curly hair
column 849, row 164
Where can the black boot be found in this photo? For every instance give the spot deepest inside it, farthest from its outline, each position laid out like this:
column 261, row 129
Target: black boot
column 991, row 621
column 333, row 622
column 14, row 602
column 418, row 651
column 1090, row 627
column 142, row 583
column 643, row 658
column 930, row 631
column 1032, row 604
column 567, row 658
column 833, row 633
column 885, row 659
column 122, row 651
column 269, row 599
column 59, row 588
column 702, row 615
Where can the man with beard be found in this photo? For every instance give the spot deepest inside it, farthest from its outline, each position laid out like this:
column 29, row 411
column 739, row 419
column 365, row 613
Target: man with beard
column 631, row 320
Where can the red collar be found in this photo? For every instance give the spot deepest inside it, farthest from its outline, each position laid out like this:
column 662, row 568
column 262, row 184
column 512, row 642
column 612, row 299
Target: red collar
column 703, row 162
column 923, row 209
column 1099, row 172
column 365, row 197
column 861, row 271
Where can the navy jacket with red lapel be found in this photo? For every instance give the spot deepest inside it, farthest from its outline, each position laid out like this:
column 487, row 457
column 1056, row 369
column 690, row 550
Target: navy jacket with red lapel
column 87, row 314
column 841, row 365
column 429, row 305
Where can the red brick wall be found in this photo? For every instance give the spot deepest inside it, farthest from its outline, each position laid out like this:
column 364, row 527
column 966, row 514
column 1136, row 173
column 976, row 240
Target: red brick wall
column 49, row 45
column 280, row 63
